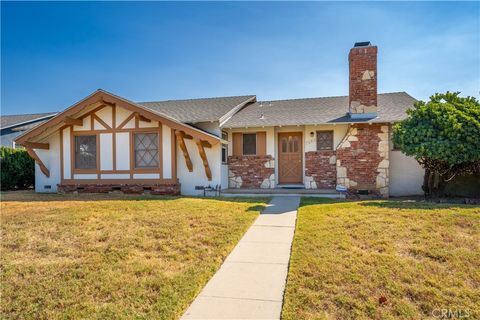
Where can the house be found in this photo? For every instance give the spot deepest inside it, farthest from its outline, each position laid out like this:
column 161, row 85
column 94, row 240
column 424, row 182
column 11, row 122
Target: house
column 105, row 142
column 13, row 126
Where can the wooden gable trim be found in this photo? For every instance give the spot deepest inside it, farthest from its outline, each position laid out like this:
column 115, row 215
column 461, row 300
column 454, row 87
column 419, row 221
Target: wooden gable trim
column 183, row 147
column 71, row 121
column 109, row 99
column 203, row 155
column 124, row 122
column 39, row 161
column 103, row 123
column 36, row 145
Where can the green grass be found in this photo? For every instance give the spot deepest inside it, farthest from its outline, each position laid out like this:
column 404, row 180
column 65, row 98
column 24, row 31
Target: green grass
column 419, row 257
column 113, row 257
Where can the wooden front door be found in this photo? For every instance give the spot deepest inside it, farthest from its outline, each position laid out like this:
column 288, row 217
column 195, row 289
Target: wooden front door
column 290, row 169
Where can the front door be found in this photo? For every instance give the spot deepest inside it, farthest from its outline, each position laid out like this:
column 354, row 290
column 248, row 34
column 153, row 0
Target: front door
column 290, row 157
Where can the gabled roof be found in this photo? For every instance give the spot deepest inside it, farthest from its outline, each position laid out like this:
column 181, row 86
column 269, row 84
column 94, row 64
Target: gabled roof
column 199, row 110
column 392, row 107
column 103, row 97
column 14, row 120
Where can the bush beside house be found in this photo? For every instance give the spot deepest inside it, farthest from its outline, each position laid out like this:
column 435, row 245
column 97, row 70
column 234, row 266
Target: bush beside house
column 442, row 134
column 17, row 169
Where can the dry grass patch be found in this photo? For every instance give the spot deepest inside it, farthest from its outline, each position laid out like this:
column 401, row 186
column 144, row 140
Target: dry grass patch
column 383, row 260
column 98, row 257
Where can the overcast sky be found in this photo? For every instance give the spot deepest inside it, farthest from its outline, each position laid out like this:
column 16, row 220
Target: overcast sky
column 54, row 54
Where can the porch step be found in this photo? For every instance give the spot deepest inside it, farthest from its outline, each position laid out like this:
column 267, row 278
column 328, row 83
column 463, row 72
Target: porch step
column 324, row 193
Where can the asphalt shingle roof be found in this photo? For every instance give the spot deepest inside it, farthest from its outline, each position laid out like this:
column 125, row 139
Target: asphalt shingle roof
column 391, row 108
column 197, row 110
column 11, row 120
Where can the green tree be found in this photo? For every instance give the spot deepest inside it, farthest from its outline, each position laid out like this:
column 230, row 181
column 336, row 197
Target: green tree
column 443, row 134
column 17, row 169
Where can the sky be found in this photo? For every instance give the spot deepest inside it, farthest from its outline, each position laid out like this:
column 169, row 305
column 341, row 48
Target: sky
column 54, row 54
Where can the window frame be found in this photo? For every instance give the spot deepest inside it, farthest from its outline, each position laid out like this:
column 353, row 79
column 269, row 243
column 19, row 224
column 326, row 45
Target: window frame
column 243, row 143
column 97, row 153
column 134, row 150
column 224, row 147
column 332, row 147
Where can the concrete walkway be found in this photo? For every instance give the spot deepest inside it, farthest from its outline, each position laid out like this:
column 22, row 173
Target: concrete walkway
column 251, row 281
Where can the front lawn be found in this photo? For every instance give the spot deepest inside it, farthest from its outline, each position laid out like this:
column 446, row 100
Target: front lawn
column 113, row 257
column 384, row 260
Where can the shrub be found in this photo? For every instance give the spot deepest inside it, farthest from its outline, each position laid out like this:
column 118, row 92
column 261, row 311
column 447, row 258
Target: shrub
column 17, row 169
column 443, row 135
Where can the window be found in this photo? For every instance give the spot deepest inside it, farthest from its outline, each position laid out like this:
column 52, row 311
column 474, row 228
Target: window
column 224, row 147
column 249, row 144
column 146, row 150
column 324, row 140
column 86, row 152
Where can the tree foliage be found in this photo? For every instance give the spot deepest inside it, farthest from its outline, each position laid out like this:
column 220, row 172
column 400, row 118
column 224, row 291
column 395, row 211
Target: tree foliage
column 17, row 169
column 443, row 134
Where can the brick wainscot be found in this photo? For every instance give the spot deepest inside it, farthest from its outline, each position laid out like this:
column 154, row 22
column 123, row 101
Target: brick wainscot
column 251, row 172
column 172, row 189
column 320, row 169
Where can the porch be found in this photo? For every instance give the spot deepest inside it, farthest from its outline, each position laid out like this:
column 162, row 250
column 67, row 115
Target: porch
column 260, row 192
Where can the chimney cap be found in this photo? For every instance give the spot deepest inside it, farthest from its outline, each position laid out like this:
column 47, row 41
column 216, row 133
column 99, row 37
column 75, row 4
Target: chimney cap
column 362, row 44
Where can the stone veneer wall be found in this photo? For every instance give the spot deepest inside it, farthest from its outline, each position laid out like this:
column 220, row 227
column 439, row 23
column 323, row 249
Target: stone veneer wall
column 320, row 169
column 363, row 159
column 172, row 189
column 251, row 172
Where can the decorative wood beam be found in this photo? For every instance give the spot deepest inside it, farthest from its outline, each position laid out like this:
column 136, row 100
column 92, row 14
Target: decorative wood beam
column 36, row 145
column 37, row 159
column 183, row 147
column 74, row 122
column 103, row 123
column 185, row 136
column 203, row 155
column 130, row 117
column 206, row 144
column 111, row 104
column 142, row 118
column 95, row 110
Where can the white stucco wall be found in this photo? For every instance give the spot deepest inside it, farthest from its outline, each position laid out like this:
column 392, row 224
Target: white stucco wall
column 106, row 151
column 51, row 160
column 122, row 150
column 67, row 170
column 198, row 177
column 406, row 175
column 167, row 151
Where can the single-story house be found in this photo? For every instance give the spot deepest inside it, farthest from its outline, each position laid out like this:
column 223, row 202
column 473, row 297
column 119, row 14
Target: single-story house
column 105, row 143
column 13, row 126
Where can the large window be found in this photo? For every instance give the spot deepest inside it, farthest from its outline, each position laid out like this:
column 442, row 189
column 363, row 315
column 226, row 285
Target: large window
column 146, row 150
column 86, row 152
column 324, row 140
column 249, row 144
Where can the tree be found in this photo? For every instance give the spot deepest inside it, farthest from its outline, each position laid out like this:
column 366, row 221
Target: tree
column 443, row 134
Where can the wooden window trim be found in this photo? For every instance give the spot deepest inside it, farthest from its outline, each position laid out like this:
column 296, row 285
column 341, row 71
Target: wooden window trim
column 73, row 146
column 160, row 152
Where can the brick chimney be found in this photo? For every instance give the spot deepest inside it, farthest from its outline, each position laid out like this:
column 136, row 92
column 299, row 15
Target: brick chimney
column 362, row 61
